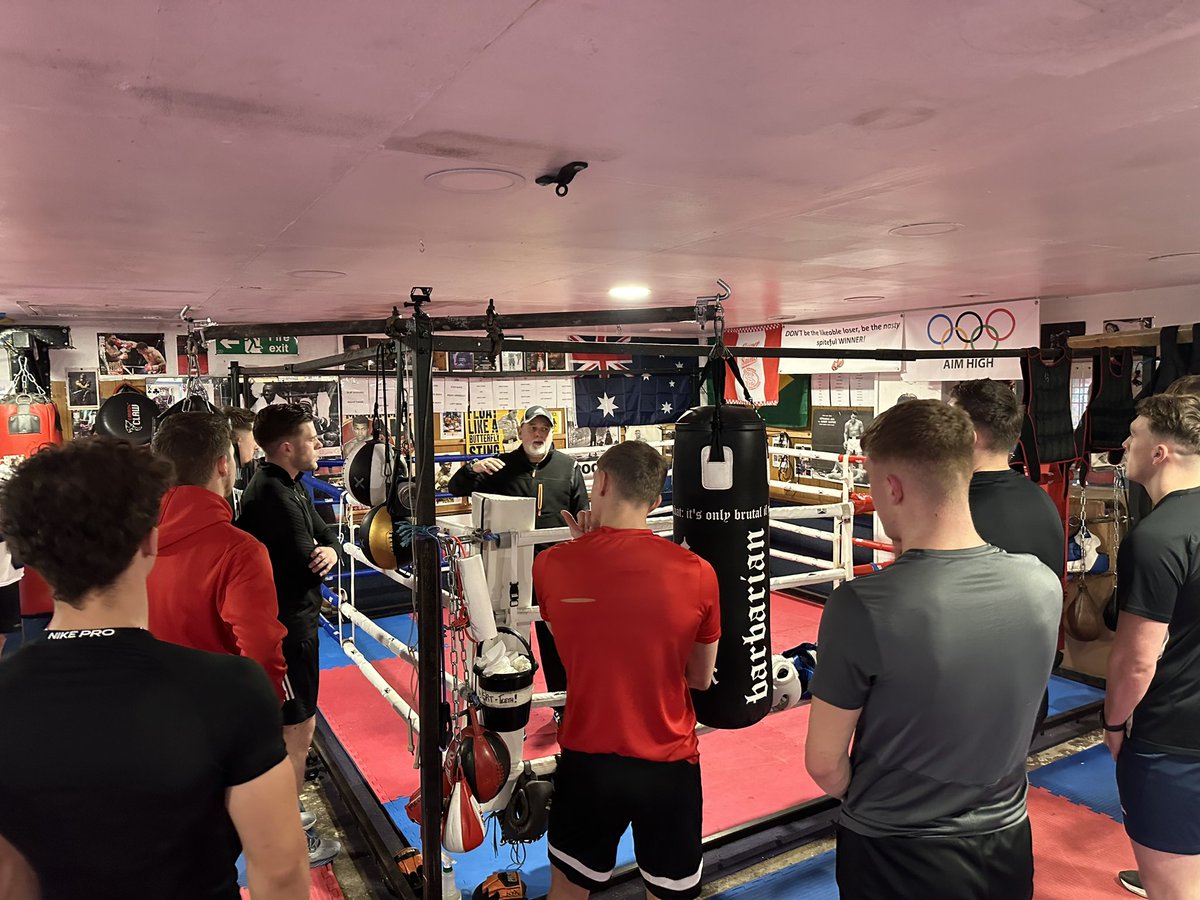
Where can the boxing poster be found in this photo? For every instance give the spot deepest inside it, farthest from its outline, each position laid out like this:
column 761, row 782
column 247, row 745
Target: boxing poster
column 839, row 431
column 132, row 353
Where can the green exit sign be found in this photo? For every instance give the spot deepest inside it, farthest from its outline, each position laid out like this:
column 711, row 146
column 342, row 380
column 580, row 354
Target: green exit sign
column 267, row 346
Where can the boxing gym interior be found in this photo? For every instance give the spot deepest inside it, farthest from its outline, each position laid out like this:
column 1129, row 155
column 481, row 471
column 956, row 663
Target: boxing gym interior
column 421, row 222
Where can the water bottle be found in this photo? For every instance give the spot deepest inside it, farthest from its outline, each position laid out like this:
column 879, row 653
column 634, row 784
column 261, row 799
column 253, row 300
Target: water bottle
column 450, row 890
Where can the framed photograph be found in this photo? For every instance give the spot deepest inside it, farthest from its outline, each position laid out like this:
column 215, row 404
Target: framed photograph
column 1134, row 324
column 83, row 423
column 512, row 361
column 484, row 362
column 441, row 361
column 556, row 362
column 451, row 426
column 462, row 361
column 320, row 397
column 535, row 361
column 840, row 430
column 128, row 353
column 83, row 389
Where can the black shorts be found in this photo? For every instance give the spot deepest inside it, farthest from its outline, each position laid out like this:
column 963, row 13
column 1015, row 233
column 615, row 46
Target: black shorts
column 10, row 608
column 1160, row 799
column 598, row 796
column 996, row 866
column 303, row 678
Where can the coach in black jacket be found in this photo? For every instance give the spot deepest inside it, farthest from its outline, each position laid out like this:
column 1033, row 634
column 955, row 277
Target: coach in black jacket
column 277, row 510
column 553, row 479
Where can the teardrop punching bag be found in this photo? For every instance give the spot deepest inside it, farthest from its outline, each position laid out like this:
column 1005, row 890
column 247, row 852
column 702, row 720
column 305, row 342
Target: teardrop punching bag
column 721, row 499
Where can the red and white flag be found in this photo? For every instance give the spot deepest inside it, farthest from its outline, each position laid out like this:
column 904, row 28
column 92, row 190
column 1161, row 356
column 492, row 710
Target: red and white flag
column 761, row 374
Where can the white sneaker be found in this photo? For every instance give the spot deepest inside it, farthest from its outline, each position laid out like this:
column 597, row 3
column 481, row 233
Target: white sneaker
column 1132, row 882
column 307, row 820
column 322, row 850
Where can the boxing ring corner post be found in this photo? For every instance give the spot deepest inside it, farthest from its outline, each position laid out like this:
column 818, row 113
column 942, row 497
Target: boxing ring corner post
column 426, row 590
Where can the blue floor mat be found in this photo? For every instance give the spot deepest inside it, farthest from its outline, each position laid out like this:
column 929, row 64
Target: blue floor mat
column 1087, row 778
column 1066, row 695
column 813, row 879
column 470, row 869
column 401, row 626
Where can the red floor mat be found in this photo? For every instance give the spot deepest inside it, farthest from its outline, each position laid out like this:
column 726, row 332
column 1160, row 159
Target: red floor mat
column 324, row 886
column 1077, row 852
column 748, row 773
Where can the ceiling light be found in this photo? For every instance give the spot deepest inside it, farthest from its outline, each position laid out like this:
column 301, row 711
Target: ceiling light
column 629, row 292
column 863, row 298
column 661, row 330
column 474, row 180
column 924, row 229
column 317, row 274
column 1166, row 256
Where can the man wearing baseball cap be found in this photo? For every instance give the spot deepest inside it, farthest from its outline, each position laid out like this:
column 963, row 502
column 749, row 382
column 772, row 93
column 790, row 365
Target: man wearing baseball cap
column 553, row 479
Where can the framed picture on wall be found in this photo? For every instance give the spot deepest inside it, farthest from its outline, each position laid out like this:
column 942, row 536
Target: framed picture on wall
column 83, row 389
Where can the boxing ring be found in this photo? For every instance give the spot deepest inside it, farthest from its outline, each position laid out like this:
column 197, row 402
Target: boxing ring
column 406, row 672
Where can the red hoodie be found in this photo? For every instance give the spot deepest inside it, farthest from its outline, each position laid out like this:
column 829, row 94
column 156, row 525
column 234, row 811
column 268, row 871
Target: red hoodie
column 211, row 587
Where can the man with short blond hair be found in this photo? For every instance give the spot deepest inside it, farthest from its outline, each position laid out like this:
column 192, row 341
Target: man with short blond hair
column 935, row 668
column 1152, row 704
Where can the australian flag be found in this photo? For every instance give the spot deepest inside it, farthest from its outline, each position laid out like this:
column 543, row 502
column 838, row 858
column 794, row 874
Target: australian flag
column 639, row 397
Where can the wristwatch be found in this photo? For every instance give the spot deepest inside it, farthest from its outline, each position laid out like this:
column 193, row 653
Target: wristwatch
column 1120, row 727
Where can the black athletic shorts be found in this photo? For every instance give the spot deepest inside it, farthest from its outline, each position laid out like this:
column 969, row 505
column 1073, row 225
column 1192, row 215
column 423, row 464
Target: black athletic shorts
column 996, row 866
column 598, row 796
column 1160, row 799
column 303, row 660
column 10, row 608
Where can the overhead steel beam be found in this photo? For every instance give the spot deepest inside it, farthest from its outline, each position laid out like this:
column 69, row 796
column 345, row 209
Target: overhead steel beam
column 396, row 325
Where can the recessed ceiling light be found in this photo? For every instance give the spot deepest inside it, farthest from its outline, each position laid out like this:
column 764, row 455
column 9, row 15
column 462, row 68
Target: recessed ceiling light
column 863, row 298
column 629, row 292
column 924, row 229
column 474, row 180
column 1166, row 256
column 317, row 274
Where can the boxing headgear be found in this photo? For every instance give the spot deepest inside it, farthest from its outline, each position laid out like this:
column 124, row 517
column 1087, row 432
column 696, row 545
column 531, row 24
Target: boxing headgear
column 527, row 815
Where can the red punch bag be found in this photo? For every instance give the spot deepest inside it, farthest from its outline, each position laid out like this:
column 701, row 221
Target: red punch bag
column 36, row 599
column 30, row 422
column 721, row 498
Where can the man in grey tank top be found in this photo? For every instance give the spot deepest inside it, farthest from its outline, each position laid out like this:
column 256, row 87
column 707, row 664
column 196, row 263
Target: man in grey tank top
column 935, row 668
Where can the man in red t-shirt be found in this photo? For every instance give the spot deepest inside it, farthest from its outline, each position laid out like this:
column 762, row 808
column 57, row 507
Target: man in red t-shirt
column 636, row 619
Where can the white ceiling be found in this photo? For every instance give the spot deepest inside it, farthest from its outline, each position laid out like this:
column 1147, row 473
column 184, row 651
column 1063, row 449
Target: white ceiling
column 161, row 152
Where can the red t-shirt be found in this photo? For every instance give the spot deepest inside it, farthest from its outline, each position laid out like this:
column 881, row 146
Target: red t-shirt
column 626, row 607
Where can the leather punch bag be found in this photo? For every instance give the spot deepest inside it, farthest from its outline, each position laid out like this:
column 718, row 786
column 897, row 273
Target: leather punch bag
column 129, row 415
column 721, row 500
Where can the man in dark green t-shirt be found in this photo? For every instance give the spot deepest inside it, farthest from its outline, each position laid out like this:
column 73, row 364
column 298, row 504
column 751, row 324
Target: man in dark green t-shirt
column 935, row 668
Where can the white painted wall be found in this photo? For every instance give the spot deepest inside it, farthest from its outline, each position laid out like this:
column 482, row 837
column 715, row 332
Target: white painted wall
column 1168, row 306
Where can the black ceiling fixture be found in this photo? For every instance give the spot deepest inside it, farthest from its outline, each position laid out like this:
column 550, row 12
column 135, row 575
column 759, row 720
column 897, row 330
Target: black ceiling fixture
column 563, row 177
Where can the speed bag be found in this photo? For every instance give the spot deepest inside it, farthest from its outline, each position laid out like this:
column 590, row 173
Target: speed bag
column 363, row 474
column 128, row 414
column 721, row 514
column 377, row 538
column 28, row 425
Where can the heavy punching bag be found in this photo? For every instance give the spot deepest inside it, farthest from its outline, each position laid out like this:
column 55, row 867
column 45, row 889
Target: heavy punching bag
column 721, row 500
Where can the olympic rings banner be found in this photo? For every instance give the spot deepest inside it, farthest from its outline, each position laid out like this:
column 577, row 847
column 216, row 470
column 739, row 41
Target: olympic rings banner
column 987, row 326
column 883, row 333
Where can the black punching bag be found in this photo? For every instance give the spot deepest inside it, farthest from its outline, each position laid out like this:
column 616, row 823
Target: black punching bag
column 721, row 498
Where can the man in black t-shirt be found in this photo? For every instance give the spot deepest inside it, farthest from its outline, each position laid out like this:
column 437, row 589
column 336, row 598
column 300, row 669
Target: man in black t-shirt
column 178, row 750
column 1008, row 510
column 277, row 510
column 1152, row 705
